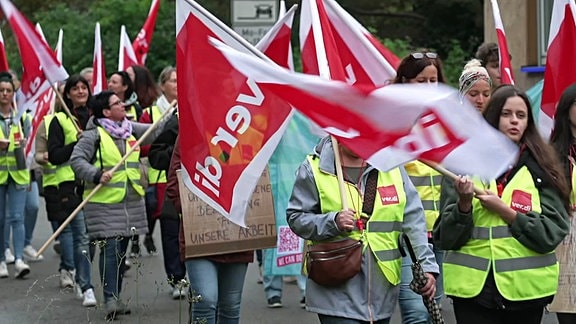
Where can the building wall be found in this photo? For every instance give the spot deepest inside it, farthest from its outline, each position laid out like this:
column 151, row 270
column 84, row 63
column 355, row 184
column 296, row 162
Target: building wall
column 520, row 25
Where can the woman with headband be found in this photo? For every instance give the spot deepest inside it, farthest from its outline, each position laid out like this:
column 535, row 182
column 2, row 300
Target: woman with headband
column 475, row 84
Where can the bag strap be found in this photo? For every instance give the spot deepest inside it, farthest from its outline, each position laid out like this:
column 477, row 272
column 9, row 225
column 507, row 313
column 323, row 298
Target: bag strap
column 370, row 192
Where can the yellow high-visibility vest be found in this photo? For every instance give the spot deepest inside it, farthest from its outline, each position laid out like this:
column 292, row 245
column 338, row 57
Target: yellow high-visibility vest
column 127, row 175
column 427, row 182
column 520, row 273
column 383, row 227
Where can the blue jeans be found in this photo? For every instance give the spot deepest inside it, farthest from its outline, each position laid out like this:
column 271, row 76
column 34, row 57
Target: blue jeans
column 12, row 202
column 75, row 251
column 112, row 267
column 412, row 306
column 32, row 203
column 175, row 268
column 273, row 286
column 30, row 216
column 219, row 286
column 325, row 319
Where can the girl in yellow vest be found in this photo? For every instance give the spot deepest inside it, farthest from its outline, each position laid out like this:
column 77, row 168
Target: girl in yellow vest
column 500, row 265
column 563, row 140
column 116, row 211
column 14, row 177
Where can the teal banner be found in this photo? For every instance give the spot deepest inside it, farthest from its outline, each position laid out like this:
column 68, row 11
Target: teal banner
column 297, row 142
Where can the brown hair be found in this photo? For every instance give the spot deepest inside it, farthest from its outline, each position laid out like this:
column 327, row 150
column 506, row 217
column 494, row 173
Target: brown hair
column 410, row 66
column 543, row 153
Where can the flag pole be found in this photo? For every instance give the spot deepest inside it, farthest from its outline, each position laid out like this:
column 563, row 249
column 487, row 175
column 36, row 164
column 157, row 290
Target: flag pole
column 449, row 174
column 323, row 69
column 100, row 185
column 65, row 107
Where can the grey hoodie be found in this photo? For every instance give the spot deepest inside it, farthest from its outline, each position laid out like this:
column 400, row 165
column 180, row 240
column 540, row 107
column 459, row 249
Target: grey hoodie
column 368, row 292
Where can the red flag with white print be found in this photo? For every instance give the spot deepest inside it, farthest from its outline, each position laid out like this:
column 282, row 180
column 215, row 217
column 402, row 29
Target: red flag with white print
column 392, row 125
column 276, row 43
column 98, row 67
column 506, row 75
column 3, row 58
column 45, row 102
column 126, row 55
column 142, row 42
column 39, row 63
column 560, row 68
column 365, row 60
column 227, row 136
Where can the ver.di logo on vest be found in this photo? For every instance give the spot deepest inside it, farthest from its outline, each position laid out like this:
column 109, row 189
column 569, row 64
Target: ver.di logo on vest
column 388, row 195
column 521, row 201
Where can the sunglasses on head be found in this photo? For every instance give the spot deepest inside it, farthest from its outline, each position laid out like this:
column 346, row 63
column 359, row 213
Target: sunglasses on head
column 430, row 55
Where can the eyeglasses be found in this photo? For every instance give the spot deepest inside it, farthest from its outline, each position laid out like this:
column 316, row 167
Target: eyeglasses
column 119, row 102
column 430, row 55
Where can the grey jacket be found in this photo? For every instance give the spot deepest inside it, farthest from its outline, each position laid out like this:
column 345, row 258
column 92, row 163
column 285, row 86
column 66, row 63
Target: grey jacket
column 368, row 292
column 122, row 219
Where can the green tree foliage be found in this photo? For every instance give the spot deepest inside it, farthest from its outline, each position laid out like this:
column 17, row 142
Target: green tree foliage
column 78, row 22
column 453, row 28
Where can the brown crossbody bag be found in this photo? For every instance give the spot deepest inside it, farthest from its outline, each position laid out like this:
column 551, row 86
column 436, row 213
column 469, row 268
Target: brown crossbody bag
column 334, row 263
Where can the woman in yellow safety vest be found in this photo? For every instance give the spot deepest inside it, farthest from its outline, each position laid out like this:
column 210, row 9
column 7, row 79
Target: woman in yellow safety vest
column 14, row 176
column 116, row 211
column 564, row 141
column 500, row 266
column 421, row 67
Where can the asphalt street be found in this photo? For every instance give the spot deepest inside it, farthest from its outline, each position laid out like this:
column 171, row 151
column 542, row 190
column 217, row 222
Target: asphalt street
column 39, row 299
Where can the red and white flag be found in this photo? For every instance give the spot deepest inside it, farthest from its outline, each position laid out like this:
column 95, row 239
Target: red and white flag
column 226, row 138
column 391, row 125
column 365, row 60
column 3, row 58
column 126, row 55
column 319, row 52
column 560, row 68
column 332, row 38
column 506, row 75
column 142, row 42
column 40, row 67
column 46, row 100
column 276, row 43
column 98, row 67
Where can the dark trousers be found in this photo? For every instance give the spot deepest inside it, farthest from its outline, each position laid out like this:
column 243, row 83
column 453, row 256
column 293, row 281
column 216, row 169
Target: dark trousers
column 175, row 268
column 470, row 312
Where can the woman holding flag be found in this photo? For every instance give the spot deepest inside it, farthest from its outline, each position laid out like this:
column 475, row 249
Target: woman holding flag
column 500, row 266
column 14, row 176
column 563, row 140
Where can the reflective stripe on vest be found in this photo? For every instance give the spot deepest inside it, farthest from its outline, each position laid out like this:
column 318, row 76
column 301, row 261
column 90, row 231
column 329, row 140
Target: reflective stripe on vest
column 63, row 172
column 108, row 154
column 155, row 175
column 520, row 273
column 427, row 182
column 385, row 224
column 8, row 165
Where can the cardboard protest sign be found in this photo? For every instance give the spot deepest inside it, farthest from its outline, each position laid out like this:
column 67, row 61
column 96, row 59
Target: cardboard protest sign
column 206, row 232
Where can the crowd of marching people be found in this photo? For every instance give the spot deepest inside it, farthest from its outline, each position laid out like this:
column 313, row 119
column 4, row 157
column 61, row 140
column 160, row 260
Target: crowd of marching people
column 106, row 166
column 473, row 239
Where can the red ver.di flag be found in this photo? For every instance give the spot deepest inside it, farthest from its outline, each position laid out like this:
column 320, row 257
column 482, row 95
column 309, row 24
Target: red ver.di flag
column 229, row 127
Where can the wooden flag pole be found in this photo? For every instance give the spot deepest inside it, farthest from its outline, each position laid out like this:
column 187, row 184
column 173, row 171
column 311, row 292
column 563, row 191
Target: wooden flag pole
column 449, row 174
column 339, row 173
